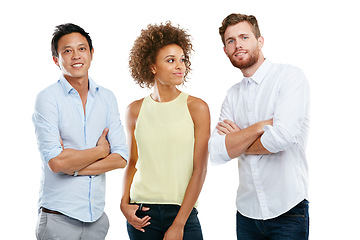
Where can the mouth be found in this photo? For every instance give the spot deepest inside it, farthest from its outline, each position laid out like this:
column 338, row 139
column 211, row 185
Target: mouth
column 179, row 74
column 238, row 54
column 77, row 65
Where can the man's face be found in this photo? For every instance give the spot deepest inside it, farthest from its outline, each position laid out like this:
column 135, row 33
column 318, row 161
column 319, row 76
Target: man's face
column 241, row 45
column 74, row 56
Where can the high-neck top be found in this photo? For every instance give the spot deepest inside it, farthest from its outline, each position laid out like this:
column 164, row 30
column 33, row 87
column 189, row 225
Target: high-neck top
column 164, row 134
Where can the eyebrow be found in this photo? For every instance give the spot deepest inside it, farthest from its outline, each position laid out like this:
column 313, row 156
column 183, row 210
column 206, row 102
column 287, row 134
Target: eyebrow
column 168, row 56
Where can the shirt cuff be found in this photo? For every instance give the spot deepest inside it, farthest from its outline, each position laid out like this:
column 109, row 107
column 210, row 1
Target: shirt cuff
column 52, row 154
column 217, row 150
column 272, row 141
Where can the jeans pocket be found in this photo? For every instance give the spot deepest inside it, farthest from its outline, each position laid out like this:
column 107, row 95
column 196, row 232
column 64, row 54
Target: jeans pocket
column 299, row 210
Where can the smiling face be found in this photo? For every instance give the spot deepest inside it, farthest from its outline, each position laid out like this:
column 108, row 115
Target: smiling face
column 242, row 47
column 169, row 67
column 74, row 56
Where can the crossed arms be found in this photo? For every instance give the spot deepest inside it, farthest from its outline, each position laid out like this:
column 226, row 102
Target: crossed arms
column 92, row 161
column 246, row 141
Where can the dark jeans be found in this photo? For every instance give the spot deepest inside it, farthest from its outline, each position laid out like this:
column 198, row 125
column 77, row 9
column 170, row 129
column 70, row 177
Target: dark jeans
column 292, row 225
column 162, row 216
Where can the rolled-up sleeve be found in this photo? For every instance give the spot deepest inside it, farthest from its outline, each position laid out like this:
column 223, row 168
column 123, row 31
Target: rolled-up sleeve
column 45, row 119
column 217, row 147
column 116, row 135
column 290, row 113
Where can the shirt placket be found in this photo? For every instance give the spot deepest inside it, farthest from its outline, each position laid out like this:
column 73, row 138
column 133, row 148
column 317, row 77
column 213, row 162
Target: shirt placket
column 254, row 158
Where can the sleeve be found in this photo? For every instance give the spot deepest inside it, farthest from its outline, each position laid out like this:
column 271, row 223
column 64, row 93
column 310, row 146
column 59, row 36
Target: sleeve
column 45, row 119
column 116, row 135
column 290, row 113
column 217, row 147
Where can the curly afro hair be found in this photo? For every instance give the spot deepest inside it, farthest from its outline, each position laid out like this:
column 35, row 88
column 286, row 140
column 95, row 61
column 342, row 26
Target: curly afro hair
column 147, row 45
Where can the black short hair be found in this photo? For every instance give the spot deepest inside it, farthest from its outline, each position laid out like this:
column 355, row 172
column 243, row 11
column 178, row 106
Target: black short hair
column 65, row 29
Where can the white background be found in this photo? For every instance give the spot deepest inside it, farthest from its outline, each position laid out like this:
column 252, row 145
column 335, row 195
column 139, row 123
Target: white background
column 320, row 37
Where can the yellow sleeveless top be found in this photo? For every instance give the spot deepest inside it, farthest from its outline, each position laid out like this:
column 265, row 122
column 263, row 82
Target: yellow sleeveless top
column 164, row 134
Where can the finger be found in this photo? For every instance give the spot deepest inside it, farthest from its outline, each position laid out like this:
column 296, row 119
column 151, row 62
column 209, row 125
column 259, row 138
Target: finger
column 145, row 221
column 222, row 129
column 220, row 133
column 232, row 124
column 226, row 125
column 144, row 209
column 61, row 143
column 105, row 132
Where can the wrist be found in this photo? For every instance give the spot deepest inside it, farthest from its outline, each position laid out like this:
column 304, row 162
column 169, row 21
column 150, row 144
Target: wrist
column 102, row 151
column 180, row 223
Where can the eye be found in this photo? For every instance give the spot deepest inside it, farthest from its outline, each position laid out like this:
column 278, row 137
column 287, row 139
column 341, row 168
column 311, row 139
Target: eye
column 245, row 38
column 82, row 49
column 183, row 60
column 170, row 60
column 230, row 41
column 67, row 51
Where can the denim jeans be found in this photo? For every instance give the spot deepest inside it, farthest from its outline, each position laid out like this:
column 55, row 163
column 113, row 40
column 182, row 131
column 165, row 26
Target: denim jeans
column 292, row 225
column 162, row 216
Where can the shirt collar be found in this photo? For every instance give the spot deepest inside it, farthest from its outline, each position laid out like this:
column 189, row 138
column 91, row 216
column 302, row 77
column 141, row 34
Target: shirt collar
column 260, row 73
column 93, row 87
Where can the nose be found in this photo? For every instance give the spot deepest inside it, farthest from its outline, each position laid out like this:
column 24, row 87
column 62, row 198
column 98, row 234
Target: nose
column 75, row 54
column 238, row 45
column 180, row 65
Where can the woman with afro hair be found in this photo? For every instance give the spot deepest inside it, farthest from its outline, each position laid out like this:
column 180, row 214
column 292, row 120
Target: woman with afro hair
column 168, row 133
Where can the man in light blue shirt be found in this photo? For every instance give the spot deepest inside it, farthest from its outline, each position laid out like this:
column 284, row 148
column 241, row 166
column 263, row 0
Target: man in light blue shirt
column 80, row 137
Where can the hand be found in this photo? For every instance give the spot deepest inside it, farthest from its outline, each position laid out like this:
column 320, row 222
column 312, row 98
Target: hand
column 175, row 232
column 103, row 143
column 227, row 127
column 62, row 143
column 129, row 211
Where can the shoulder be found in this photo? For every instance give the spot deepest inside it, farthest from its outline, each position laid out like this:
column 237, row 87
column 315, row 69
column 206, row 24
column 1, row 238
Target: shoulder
column 133, row 109
column 199, row 110
column 289, row 70
column 105, row 92
column 49, row 94
column 234, row 89
column 197, row 104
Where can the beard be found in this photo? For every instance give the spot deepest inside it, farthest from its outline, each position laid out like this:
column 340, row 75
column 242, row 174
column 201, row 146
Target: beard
column 252, row 58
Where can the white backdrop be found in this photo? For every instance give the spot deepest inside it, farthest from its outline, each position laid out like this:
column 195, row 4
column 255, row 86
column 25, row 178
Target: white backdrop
column 321, row 37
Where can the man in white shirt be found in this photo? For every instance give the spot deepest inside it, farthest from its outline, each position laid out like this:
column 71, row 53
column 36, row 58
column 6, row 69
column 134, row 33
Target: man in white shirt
column 264, row 122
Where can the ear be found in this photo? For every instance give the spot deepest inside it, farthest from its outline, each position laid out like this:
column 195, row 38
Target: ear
column 260, row 42
column 56, row 61
column 153, row 69
column 224, row 48
column 92, row 53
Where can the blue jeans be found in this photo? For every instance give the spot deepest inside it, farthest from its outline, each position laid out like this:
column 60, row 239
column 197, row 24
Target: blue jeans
column 292, row 225
column 162, row 216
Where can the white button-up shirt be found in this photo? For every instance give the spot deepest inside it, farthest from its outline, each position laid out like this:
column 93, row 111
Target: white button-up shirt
column 269, row 185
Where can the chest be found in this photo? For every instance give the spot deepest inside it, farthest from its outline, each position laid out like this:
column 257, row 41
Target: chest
column 81, row 123
column 254, row 103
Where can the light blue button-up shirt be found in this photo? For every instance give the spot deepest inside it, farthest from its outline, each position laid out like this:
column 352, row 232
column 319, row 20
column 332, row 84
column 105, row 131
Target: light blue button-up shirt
column 59, row 113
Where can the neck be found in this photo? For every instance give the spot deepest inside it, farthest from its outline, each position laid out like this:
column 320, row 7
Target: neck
column 164, row 93
column 248, row 72
column 81, row 85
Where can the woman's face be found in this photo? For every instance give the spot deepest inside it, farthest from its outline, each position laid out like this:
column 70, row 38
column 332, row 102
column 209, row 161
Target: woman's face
column 169, row 67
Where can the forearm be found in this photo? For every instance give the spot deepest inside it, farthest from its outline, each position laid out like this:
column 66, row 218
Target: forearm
column 191, row 195
column 127, row 181
column 257, row 148
column 111, row 162
column 237, row 143
column 71, row 160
